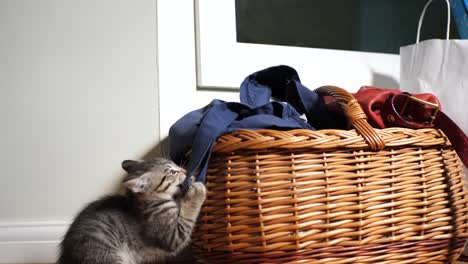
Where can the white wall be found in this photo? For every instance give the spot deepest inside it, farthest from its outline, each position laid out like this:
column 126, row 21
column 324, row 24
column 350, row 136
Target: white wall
column 78, row 83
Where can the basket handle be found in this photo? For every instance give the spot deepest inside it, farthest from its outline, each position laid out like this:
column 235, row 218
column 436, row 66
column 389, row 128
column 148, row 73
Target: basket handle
column 354, row 113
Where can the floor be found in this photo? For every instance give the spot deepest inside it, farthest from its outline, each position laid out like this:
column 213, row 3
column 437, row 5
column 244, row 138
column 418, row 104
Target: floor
column 179, row 262
column 187, row 258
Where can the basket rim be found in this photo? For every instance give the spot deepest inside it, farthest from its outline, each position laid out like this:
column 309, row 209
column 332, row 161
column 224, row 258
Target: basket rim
column 326, row 139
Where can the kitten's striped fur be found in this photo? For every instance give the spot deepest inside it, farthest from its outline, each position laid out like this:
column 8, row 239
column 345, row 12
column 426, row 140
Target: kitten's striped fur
column 149, row 224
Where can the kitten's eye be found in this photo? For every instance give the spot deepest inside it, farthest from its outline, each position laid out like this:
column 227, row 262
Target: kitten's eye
column 173, row 172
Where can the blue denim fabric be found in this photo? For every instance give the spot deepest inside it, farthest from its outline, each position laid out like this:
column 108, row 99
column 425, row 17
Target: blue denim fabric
column 460, row 13
column 198, row 130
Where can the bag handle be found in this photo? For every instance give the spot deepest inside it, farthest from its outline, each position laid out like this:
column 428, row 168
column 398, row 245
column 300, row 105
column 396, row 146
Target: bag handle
column 354, row 114
column 423, row 13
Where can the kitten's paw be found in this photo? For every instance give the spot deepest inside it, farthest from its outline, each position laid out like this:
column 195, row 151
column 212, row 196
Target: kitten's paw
column 197, row 190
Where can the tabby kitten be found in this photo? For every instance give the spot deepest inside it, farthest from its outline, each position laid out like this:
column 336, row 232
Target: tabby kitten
column 152, row 222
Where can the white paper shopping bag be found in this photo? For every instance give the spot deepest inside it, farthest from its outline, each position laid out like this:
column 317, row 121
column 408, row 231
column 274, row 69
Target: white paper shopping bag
column 440, row 67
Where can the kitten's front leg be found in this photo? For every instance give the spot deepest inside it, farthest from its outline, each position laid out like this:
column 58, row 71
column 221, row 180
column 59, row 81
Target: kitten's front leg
column 192, row 202
column 189, row 208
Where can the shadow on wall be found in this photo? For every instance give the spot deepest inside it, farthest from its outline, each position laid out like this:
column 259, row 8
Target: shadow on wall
column 160, row 150
column 384, row 81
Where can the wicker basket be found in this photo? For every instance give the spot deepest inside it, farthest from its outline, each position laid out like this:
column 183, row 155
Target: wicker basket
column 393, row 195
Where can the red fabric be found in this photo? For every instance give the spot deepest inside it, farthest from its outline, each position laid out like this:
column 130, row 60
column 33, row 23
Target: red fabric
column 372, row 101
column 393, row 108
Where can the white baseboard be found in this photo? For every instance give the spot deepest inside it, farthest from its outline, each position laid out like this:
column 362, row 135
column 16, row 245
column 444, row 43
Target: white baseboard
column 30, row 242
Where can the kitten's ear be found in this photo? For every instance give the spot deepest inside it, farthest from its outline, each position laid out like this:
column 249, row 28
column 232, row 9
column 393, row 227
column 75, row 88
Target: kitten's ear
column 137, row 185
column 130, row 165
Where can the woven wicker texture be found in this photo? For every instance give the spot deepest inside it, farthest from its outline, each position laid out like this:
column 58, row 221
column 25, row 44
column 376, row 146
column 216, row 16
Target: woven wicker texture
column 325, row 196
